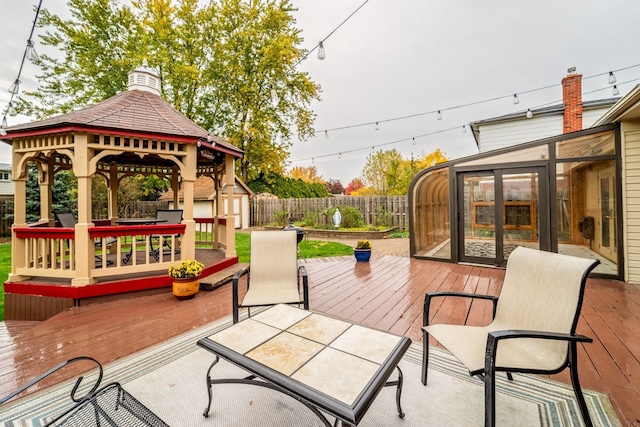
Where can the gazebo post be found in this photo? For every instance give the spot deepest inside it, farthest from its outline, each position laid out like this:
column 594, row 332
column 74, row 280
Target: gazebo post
column 45, row 180
column 113, row 192
column 230, row 166
column 84, row 248
column 18, row 246
column 188, row 174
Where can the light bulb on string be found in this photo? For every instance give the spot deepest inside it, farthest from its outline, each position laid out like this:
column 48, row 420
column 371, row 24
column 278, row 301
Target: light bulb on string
column 529, row 113
column 464, row 128
column 15, row 87
column 515, row 99
column 3, row 132
column 313, row 160
column 439, row 115
column 274, row 96
column 4, row 122
column 32, row 55
column 377, row 126
column 616, row 91
column 612, row 78
column 321, row 54
column 339, row 155
column 11, row 109
column 326, row 134
column 413, row 141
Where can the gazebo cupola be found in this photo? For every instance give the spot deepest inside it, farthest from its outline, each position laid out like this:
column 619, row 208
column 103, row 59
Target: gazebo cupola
column 144, row 78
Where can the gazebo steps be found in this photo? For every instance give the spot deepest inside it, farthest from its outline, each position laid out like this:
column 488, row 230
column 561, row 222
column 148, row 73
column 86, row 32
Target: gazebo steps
column 220, row 278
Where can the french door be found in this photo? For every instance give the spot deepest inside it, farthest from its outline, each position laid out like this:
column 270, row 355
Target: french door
column 499, row 210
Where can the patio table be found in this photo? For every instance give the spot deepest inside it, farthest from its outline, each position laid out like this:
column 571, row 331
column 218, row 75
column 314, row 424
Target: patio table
column 136, row 221
column 328, row 364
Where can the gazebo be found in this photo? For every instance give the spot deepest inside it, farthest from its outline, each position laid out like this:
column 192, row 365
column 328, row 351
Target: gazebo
column 133, row 133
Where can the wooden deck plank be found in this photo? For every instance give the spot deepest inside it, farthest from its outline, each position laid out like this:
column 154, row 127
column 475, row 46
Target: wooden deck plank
column 388, row 293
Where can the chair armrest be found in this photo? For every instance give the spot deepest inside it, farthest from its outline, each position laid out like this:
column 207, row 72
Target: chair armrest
column 496, row 336
column 234, row 294
column 302, row 271
column 430, row 295
column 56, row 368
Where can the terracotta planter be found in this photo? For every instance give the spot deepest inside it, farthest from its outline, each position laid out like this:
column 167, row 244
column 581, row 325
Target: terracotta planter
column 186, row 288
column 362, row 255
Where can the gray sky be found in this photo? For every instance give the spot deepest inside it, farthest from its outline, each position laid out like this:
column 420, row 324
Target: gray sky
column 406, row 57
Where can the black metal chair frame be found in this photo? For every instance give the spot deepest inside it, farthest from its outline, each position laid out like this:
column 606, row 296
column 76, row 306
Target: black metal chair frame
column 165, row 243
column 59, row 215
column 110, row 404
column 487, row 375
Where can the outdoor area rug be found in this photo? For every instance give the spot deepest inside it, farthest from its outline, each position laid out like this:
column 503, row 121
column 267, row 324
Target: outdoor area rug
column 170, row 380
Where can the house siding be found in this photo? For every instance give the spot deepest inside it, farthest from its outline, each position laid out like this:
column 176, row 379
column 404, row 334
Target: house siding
column 512, row 132
column 506, row 134
column 631, row 199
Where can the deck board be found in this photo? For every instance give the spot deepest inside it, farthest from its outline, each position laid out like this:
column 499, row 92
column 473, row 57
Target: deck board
column 387, row 293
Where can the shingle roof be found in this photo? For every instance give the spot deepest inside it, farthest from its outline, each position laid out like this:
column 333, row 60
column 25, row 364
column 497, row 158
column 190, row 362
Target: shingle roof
column 132, row 110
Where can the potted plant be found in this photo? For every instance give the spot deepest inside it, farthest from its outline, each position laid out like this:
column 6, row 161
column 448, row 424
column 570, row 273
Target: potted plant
column 362, row 251
column 186, row 278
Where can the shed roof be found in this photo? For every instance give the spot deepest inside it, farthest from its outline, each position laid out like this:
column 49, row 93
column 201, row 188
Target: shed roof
column 204, row 189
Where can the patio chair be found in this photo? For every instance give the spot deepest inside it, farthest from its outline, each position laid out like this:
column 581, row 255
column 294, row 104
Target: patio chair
column 533, row 328
column 172, row 216
column 273, row 275
column 68, row 220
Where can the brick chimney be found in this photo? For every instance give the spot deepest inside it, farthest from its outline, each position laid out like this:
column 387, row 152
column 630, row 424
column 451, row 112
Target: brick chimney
column 572, row 100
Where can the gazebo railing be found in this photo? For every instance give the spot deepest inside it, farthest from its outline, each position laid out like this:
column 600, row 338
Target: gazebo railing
column 51, row 252
column 207, row 229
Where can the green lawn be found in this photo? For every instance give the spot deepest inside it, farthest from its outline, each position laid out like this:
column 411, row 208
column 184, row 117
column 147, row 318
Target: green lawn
column 308, row 248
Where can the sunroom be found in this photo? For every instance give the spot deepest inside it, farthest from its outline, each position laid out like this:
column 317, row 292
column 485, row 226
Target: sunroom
column 561, row 194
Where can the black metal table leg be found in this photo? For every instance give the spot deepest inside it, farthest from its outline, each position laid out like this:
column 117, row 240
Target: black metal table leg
column 209, row 384
column 398, row 390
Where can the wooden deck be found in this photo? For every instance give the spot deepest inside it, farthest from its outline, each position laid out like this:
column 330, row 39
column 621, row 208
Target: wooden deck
column 387, row 293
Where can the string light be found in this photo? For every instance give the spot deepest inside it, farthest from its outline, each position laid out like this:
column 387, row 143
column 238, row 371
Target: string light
column 439, row 115
column 320, row 44
column 473, row 103
column 339, row 155
column 326, row 134
column 612, row 78
column 31, row 54
column 321, row 54
column 616, row 91
column 377, row 126
column 464, row 128
column 529, row 113
column 516, row 101
column 413, row 141
column 15, row 87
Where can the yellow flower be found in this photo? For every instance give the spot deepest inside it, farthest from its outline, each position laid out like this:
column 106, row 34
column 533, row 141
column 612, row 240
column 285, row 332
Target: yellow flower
column 186, row 269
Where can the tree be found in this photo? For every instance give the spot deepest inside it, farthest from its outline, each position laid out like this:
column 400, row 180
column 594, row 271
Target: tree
column 388, row 173
column 354, row 185
column 227, row 65
column 259, row 97
column 99, row 46
column 307, row 174
column 285, row 187
column 334, row 186
column 378, row 167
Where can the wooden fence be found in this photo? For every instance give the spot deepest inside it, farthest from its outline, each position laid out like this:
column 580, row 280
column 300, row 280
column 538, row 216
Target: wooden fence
column 6, row 209
column 392, row 211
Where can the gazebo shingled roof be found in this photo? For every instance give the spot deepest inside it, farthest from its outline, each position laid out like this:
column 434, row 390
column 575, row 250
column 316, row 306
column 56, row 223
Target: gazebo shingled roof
column 134, row 111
